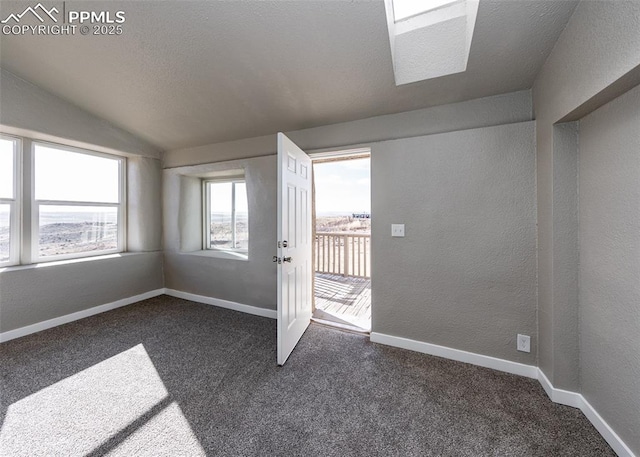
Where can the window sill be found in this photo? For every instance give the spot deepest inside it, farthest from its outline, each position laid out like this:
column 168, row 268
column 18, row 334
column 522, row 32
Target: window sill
column 68, row 261
column 231, row 255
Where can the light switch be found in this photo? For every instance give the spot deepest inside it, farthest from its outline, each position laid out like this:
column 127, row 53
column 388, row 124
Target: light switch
column 397, row 230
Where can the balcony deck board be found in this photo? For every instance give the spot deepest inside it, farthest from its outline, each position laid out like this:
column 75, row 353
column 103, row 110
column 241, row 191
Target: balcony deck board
column 347, row 299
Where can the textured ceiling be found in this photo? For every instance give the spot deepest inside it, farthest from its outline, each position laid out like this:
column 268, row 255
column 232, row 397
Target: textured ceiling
column 190, row 73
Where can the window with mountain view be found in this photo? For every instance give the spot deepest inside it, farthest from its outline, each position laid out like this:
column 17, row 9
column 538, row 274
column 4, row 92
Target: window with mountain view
column 78, row 203
column 226, row 215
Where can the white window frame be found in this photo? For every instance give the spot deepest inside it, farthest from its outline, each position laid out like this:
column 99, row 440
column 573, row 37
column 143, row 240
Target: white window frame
column 35, row 206
column 206, row 216
column 14, row 203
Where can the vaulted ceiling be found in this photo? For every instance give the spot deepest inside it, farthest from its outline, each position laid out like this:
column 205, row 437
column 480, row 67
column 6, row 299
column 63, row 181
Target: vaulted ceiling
column 191, row 73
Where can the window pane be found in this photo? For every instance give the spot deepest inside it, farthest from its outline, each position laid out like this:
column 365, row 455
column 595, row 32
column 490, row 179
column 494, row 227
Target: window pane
column 5, row 230
column 403, row 9
column 6, row 168
column 72, row 176
column 220, row 222
column 242, row 217
column 76, row 229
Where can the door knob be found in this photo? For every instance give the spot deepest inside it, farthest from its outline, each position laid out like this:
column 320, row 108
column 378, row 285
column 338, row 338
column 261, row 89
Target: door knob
column 287, row 259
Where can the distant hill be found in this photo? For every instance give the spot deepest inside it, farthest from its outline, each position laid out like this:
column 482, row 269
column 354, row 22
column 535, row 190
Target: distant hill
column 342, row 223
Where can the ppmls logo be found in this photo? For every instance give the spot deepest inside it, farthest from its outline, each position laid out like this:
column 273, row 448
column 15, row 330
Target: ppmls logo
column 34, row 11
column 47, row 22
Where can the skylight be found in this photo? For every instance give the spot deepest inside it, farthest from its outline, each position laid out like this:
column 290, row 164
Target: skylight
column 429, row 38
column 404, row 9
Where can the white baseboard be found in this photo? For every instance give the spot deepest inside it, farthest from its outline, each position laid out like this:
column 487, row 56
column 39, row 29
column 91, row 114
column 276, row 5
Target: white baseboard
column 263, row 312
column 560, row 396
column 564, row 397
column 577, row 400
column 44, row 325
column 486, row 361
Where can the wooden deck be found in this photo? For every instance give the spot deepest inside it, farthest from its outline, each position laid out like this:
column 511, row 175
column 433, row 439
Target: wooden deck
column 345, row 300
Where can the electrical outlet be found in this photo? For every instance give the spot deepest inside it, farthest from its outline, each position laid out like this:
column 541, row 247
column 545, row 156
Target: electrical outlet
column 524, row 343
column 397, row 230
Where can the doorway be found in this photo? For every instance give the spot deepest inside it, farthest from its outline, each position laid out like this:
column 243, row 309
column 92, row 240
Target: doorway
column 342, row 240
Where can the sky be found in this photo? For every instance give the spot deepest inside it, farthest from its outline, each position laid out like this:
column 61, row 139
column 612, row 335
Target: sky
column 221, row 198
column 63, row 175
column 403, row 9
column 343, row 186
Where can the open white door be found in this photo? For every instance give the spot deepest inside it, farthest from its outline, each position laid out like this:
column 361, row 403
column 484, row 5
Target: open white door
column 294, row 245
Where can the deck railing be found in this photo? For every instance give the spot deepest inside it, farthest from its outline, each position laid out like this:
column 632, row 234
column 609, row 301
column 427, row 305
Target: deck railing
column 346, row 254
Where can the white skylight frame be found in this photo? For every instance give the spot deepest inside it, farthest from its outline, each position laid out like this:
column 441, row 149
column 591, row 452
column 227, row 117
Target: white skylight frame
column 433, row 43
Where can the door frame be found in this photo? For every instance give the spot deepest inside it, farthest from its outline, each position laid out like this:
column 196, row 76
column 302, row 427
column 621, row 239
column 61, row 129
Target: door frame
column 331, row 155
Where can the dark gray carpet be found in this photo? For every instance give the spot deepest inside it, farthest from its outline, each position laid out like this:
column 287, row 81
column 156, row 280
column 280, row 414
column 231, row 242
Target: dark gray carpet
column 171, row 377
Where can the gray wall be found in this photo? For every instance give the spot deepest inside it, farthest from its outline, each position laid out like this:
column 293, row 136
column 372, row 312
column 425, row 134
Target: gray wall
column 599, row 47
column 501, row 109
column 465, row 274
column 144, row 208
column 189, row 269
column 610, row 263
column 32, row 294
column 565, row 257
column 584, row 343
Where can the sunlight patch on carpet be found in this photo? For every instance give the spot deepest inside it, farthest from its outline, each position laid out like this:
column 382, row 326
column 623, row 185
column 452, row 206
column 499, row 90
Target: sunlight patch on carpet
column 117, row 406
